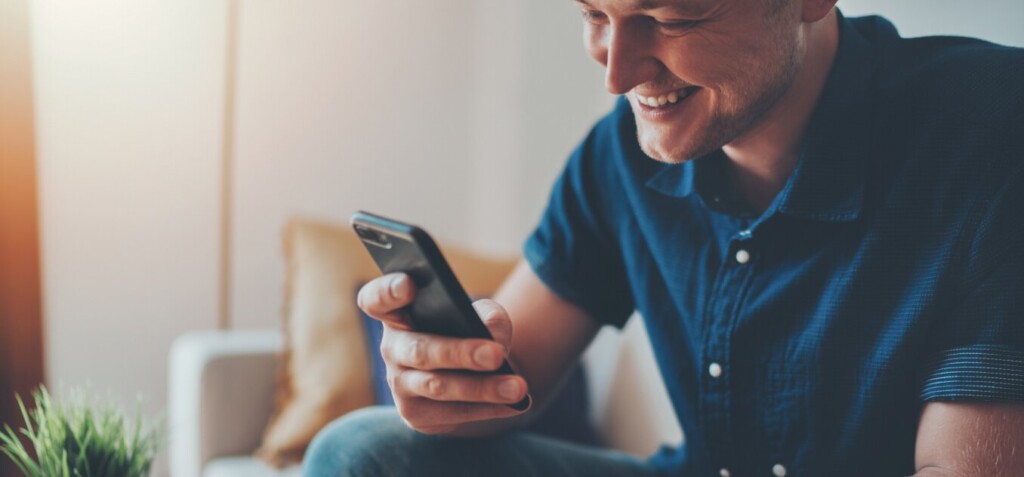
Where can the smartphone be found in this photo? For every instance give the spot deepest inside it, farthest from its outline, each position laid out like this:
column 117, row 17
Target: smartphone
column 441, row 306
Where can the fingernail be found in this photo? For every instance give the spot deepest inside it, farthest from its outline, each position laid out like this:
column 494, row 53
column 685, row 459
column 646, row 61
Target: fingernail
column 509, row 389
column 396, row 283
column 484, row 356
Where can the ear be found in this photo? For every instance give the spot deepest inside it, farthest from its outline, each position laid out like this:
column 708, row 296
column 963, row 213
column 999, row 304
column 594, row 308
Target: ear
column 815, row 10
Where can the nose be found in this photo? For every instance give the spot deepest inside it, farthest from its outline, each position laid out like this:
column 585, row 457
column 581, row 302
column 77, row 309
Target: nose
column 627, row 55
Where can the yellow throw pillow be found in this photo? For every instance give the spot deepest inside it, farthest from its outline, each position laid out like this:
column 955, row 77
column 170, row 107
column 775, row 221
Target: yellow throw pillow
column 325, row 371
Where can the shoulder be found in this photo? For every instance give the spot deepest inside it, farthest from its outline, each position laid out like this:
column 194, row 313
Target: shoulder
column 946, row 120
column 952, row 106
column 947, row 77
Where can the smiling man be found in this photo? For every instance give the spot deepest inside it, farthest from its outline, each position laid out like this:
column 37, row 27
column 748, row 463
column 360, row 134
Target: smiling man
column 819, row 222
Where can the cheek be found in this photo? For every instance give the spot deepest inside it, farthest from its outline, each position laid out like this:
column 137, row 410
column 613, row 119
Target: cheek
column 725, row 79
column 694, row 64
column 713, row 57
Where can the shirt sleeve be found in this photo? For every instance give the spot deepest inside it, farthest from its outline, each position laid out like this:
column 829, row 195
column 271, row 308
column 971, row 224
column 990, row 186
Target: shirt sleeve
column 981, row 353
column 574, row 250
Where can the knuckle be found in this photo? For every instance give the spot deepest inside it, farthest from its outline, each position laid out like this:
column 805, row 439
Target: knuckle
column 385, row 350
column 382, row 294
column 461, row 355
column 417, row 352
column 391, row 376
column 434, row 386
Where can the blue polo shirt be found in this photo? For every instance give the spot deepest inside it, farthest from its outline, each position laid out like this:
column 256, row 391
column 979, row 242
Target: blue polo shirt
column 887, row 273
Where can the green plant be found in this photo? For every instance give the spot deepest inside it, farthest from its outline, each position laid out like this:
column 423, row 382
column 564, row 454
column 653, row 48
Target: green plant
column 80, row 438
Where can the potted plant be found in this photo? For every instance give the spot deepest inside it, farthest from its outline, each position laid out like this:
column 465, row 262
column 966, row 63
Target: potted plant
column 80, row 438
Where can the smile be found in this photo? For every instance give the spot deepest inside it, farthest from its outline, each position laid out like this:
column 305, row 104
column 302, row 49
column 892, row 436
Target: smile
column 662, row 99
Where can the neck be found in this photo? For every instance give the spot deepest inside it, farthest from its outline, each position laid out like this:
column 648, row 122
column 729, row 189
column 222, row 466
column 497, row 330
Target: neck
column 764, row 157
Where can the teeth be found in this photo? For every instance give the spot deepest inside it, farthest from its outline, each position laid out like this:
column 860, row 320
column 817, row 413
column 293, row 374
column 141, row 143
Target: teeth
column 658, row 101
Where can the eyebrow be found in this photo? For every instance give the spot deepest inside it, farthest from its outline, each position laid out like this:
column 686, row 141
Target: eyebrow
column 656, row 4
column 643, row 5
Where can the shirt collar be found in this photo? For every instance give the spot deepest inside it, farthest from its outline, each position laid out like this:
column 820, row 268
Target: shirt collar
column 828, row 180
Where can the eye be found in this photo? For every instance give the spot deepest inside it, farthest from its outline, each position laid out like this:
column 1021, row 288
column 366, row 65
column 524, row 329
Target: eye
column 674, row 26
column 593, row 16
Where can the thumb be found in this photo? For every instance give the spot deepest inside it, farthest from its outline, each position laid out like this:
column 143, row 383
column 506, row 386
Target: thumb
column 497, row 321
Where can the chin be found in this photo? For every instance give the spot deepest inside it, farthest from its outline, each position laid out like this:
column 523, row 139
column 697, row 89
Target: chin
column 677, row 143
column 678, row 153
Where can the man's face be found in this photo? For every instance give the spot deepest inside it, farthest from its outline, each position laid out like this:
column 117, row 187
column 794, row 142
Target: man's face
column 711, row 67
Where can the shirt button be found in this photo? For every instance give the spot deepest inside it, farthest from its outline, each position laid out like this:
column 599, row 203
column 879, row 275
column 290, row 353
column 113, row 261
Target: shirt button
column 715, row 370
column 724, row 473
column 742, row 256
column 779, row 470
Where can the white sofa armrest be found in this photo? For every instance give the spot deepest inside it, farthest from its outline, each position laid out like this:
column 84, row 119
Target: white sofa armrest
column 629, row 403
column 221, row 395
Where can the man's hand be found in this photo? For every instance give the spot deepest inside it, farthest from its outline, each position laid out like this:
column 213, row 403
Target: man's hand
column 427, row 373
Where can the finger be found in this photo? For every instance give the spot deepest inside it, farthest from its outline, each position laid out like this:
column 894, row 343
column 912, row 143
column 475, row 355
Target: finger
column 496, row 319
column 429, row 416
column 455, row 386
column 383, row 298
column 425, row 351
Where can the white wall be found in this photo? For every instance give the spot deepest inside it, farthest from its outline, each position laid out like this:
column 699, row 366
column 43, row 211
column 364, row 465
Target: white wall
column 128, row 146
column 128, row 101
column 1001, row 21
column 341, row 106
column 454, row 114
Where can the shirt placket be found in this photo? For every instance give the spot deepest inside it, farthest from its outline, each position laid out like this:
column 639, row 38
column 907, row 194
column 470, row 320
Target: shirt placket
column 724, row 306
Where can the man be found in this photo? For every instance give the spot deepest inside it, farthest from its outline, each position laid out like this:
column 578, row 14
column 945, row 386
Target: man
column 819, row 222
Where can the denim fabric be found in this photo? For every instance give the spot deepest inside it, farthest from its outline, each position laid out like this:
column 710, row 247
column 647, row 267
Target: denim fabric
column 887, row 273
column 374, row 442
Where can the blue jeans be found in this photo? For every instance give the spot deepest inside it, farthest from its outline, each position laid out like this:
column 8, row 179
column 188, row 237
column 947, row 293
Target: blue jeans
column 374, row 442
